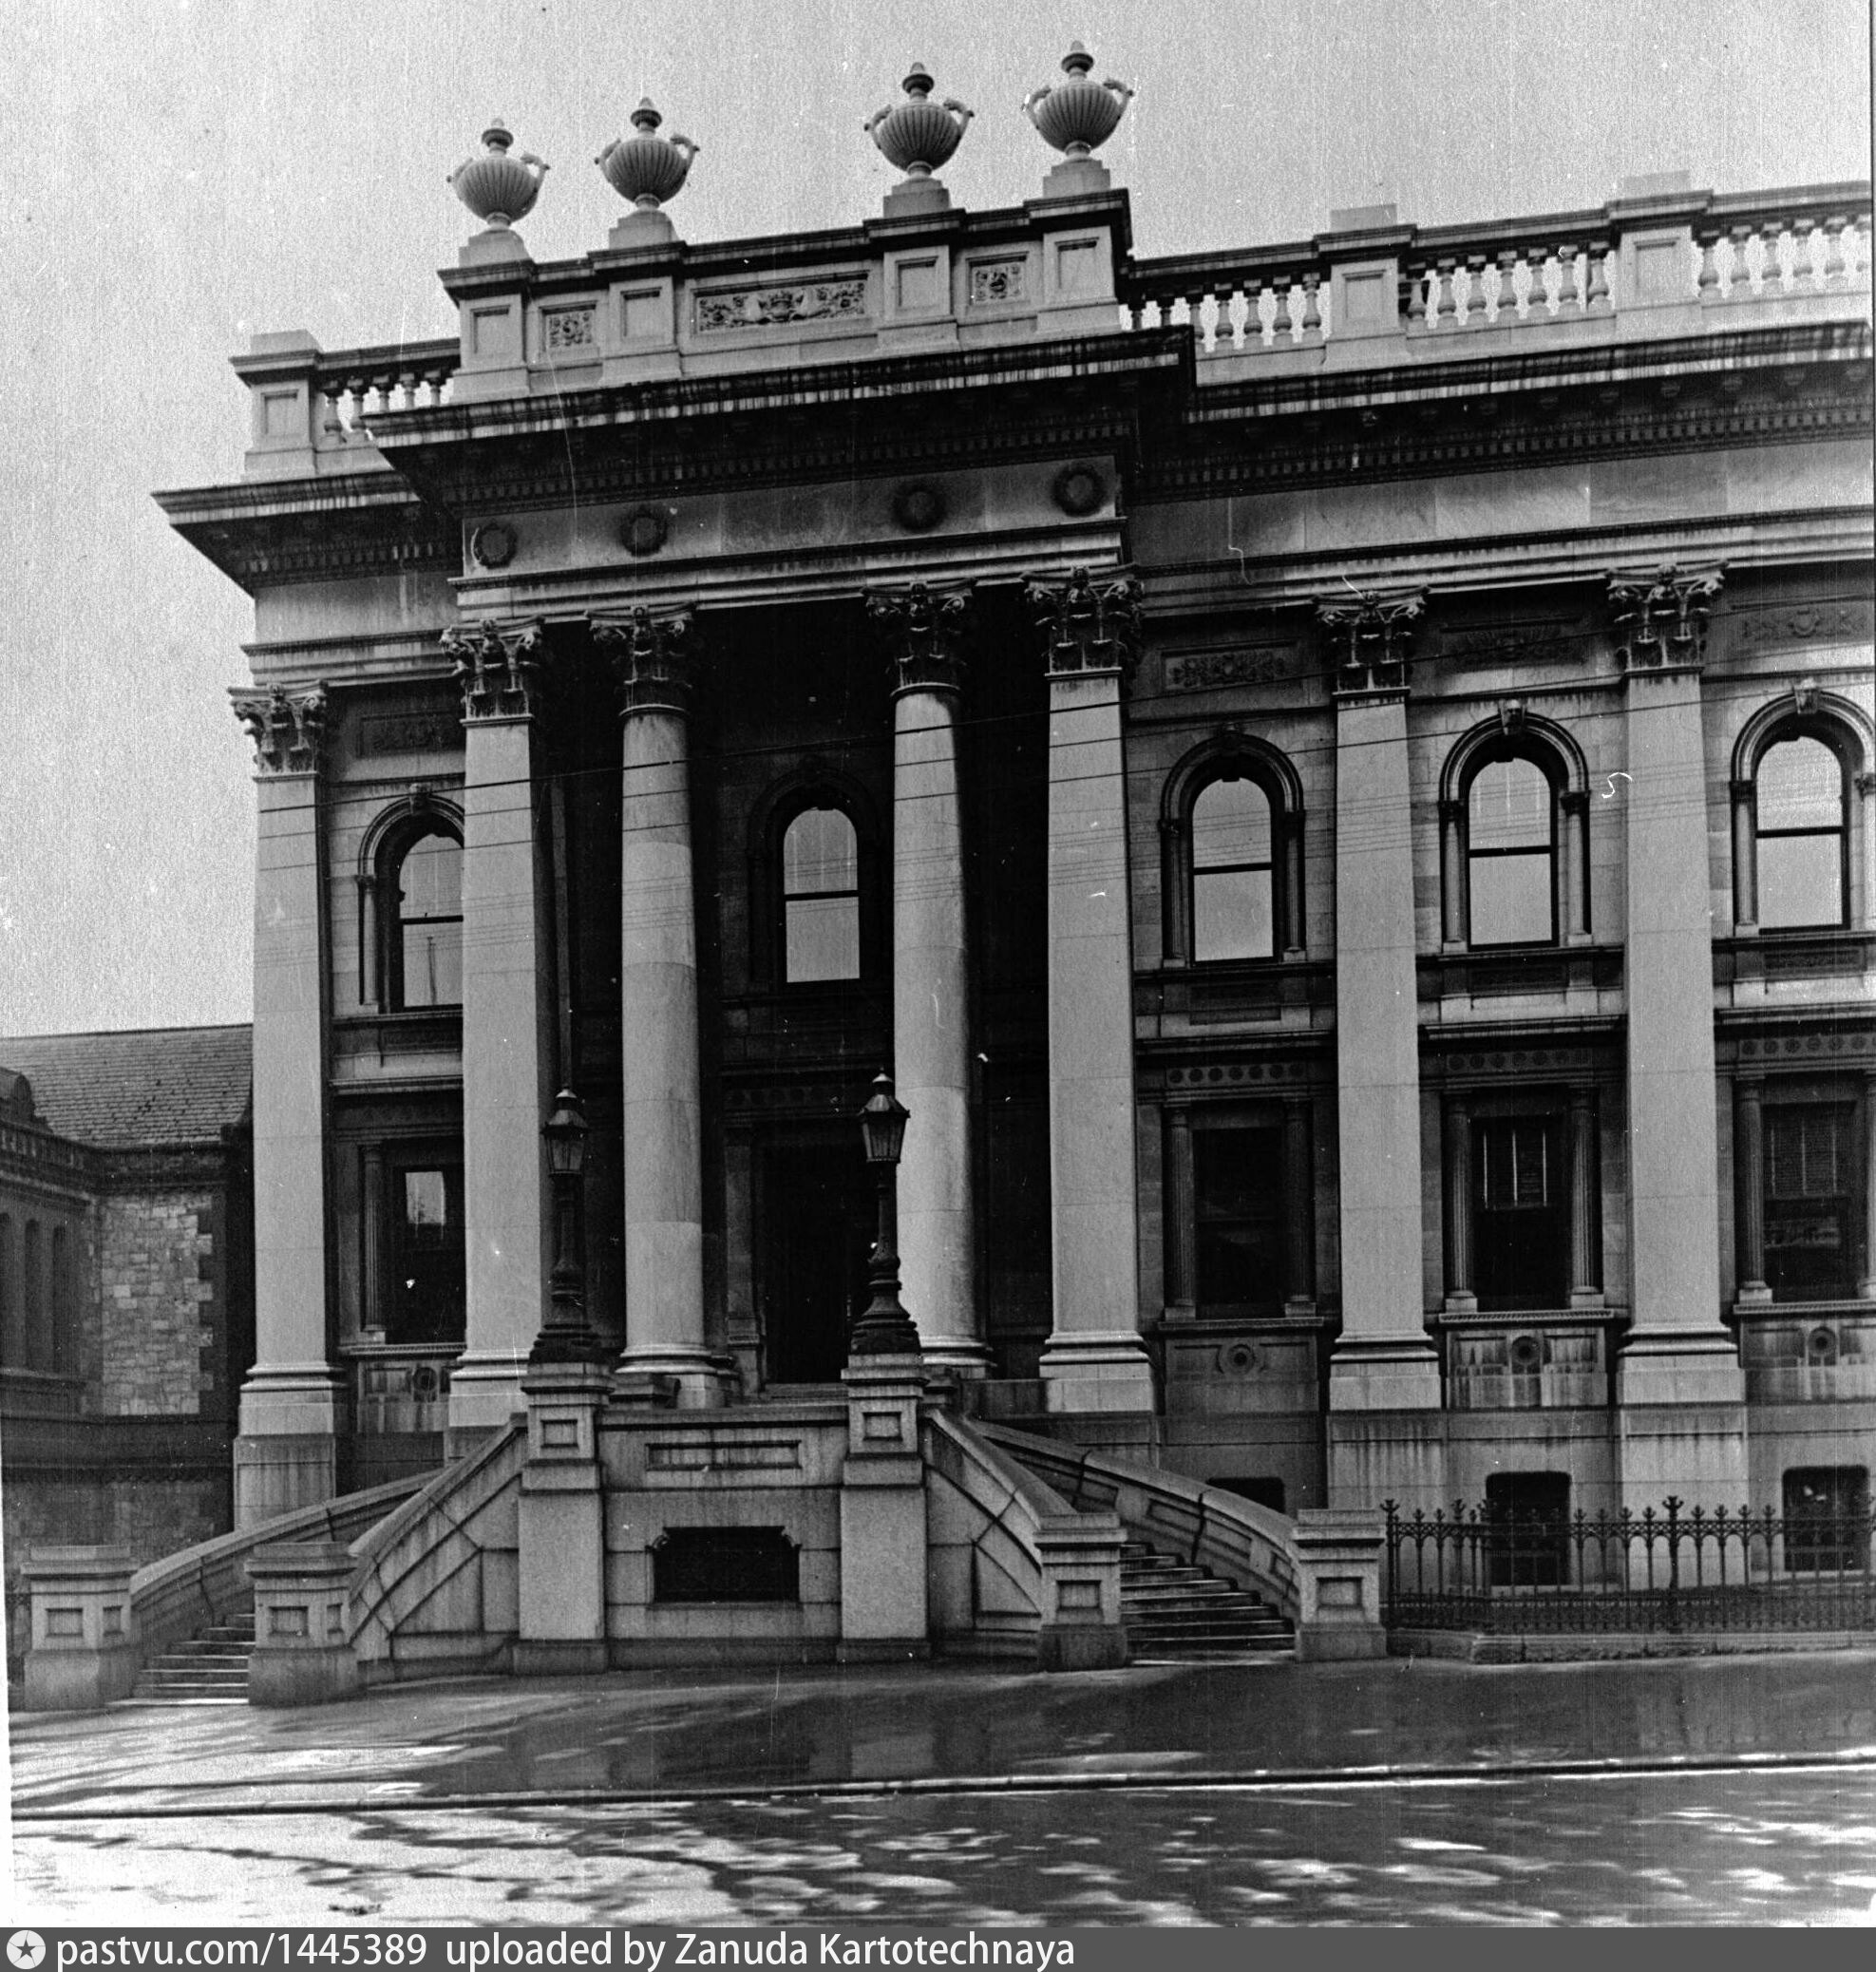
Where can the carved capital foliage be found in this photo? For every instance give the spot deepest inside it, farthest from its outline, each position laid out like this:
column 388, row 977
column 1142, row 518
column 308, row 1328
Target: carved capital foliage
column 923, row 632
column 652, row 657
column 1660, row 619
column 496, row 669
column 1368, row 640
column 1088, row 622
column 287, row 728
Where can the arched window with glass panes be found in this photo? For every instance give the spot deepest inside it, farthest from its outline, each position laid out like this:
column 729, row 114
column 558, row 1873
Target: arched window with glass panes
column 1804, row 806
column 1233, row 877
column 1514, row 854
column 410, row 900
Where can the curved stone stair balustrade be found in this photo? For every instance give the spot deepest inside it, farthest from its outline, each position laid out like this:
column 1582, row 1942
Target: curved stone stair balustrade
column 194, row 1610
column 436, row 1586
column 1319, row 1572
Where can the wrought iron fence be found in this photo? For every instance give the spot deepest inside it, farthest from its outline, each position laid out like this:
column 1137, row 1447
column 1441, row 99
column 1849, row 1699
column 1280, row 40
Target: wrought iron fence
column 1488, row 1569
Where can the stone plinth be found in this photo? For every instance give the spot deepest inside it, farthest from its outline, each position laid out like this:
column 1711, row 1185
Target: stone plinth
column 1081, row 1628
column 82, row 1653
column 562, row 1524
column 301, row 1653
column 1340, row 1557
column 883, row 1609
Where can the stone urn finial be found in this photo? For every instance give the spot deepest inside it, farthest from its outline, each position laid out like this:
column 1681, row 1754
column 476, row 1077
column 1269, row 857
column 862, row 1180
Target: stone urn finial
column 918, row 135
column 499, row 188
column 1077, row 116
column 645, row 168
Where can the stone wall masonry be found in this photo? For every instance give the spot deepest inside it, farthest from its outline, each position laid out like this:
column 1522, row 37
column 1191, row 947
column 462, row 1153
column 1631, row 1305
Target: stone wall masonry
column 156, row 1290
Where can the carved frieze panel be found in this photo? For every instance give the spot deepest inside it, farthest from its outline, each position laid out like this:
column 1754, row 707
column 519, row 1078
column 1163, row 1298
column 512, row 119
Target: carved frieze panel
column 1559, row 640
column 567, row 328
column 1213, row 671
column 409, row 732
column 795, row 301
column 1764, row 626
column 996, row 281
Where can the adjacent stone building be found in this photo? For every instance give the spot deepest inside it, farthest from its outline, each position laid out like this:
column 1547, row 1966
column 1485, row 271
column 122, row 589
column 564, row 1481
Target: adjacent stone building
column 1339, row 776
column 126, row 1310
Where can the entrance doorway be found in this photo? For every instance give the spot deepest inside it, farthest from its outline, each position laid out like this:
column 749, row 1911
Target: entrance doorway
column 818, row 1214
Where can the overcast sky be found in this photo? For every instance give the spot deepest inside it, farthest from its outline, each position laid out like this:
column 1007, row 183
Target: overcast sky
column 184, row 172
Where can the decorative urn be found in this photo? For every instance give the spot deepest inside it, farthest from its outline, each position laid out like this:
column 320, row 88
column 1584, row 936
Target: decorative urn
column 918, row 135
column 1077, row 116
column 497, row 188
column 645, row 168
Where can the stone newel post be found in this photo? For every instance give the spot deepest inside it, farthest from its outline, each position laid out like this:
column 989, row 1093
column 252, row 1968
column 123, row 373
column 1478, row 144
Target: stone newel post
column 293, row 1403
column 507, row 1010
column 663, row 1232
column 922, row 630
column 1095, row 1359
column 82, row 1653
column 301, row 1655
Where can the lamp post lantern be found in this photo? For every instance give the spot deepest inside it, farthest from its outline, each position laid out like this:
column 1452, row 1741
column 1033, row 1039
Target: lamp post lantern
column 566, row 1336
column 885, row 1328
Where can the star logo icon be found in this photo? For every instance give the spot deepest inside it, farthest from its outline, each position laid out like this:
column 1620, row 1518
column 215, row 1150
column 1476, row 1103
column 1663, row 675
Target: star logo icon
column 26, row 1950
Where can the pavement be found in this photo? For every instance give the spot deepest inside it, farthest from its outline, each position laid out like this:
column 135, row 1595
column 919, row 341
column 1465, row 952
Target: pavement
column 1699, row 1790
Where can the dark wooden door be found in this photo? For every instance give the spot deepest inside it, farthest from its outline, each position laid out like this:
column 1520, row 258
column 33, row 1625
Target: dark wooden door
column 817, row 1235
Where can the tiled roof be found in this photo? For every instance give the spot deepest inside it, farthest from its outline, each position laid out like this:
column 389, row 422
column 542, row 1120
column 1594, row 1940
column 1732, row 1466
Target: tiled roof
column 158, row 1085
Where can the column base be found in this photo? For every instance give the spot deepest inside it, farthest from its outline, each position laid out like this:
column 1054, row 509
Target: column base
column 1393, row 1373
column 687, row 1379
column 1679, row 1367
column 286, row 1455
column 962, row 1356
column 1101, row 1372
column 486, row 1391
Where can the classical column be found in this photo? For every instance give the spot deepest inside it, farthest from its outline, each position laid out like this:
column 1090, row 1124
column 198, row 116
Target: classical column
column 1677, row 1357
column 1384, row 1360
column 1179, row 1230
column 923, row 629
column 1586, row 1260
column 1745, row 861
column 1298, row 1206
column 1095, row 1359
column 1461, row 1297
column 1866, row 1286
column 293, row 1407
column 664, row 1214
column 1296, row 933
column 1575, row 845
column 507, row 1032
column 1452, row 875
column 1749, row 1189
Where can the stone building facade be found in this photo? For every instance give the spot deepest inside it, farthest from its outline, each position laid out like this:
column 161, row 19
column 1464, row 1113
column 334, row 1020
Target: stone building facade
column 1338, row 776
column 126, row 1314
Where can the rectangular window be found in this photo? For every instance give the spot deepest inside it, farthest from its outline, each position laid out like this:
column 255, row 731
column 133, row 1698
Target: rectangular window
column 1521, row 1197
column 1238, row 1188
column 1810, row 1187
column 1826, row 1519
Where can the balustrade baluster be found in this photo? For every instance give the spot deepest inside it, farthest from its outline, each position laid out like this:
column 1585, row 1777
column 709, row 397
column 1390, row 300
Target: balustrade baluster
column 1745, row 276
column 1598, row 253
column 1312, row 316
column 1833, row 249
column 1416, row 297
column 1504, row 298
column 1446, row 299
column 1238, row 314
column 1281, row 327
column 1706, row 286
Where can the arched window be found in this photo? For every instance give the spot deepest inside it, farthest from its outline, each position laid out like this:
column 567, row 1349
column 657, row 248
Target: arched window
column 1234, row 880
column 1510, row 854
column 423, row 921
column 1800, row 835
column 1231, row 829
column 60, row 1341
column 12, row 1345
column 820, row 897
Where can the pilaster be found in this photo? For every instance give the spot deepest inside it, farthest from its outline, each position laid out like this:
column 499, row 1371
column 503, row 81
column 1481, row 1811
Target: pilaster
column 507, row 1011
column 1384, row 1360
column 1095, row 1359
column 293, row 1402
column 924, row 631
column 663, row 1147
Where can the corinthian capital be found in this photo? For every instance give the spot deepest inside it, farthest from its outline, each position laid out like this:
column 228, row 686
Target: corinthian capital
column 287, row 728
column 1369, row 639
column 924, row 631
column 650, row 659
column 1088, row 623
column 495, row 667
column 1661, row 618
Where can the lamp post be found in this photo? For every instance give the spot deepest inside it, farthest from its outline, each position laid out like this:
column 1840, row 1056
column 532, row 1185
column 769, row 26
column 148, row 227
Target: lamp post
column 566, row 1336
column 885, row 1328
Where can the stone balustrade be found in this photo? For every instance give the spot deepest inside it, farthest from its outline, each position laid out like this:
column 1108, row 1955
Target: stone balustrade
column 1369, row 292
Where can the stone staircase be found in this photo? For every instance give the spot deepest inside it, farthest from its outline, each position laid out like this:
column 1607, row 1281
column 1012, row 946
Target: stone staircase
column 1176, row 1612
column 209, row 1669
